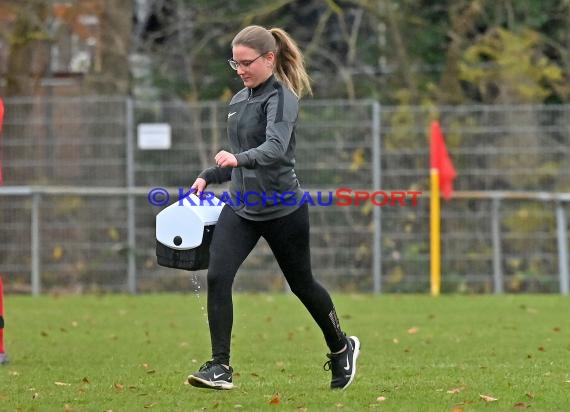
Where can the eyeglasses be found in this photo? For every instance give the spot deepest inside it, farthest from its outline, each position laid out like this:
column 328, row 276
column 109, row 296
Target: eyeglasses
column 234, row 64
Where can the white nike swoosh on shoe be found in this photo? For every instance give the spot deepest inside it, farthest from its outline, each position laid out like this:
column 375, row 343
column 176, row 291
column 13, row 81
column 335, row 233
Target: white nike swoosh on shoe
column 217, row 376
column 347, row 367
column 231, row 114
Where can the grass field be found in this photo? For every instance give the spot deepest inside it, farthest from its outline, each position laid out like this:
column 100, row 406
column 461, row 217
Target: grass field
column 125, row 353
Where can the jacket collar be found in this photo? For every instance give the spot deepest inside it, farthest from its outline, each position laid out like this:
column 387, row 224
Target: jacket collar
column 263, row 87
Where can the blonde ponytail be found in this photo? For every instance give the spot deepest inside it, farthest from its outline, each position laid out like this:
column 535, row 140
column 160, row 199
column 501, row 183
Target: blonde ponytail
column 290, row 65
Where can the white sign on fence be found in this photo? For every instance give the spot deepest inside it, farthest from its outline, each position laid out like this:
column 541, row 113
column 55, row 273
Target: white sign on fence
column 154, row 136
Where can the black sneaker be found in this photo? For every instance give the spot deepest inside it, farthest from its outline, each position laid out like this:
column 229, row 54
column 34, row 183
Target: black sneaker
column 343, row 365
column 213, row 376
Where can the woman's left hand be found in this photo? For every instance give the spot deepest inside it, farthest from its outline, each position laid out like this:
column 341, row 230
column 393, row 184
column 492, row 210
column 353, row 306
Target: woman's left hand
column 225, row 159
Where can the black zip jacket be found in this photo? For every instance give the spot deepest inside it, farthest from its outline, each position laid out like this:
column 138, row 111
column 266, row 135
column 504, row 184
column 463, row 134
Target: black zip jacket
column 261, row 131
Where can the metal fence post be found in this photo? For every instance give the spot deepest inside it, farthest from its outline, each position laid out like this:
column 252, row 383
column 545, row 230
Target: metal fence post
column 377, row 182
column 497, row 252
column 35, row 246
column 561, row 226
column 131, row 207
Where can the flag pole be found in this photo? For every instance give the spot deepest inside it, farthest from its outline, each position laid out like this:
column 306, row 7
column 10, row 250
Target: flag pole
column 435, row 235
column 442, row 173
column 3, row 357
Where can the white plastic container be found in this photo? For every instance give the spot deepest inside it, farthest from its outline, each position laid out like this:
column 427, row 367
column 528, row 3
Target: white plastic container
column 184, row 232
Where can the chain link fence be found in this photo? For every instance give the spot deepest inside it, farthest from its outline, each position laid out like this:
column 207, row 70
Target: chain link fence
column 74, row 207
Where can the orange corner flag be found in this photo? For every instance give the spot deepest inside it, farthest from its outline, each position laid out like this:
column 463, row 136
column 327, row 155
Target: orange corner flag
column 440, row 160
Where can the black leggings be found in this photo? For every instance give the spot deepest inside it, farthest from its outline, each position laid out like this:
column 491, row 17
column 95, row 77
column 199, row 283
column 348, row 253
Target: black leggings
column 288, row 237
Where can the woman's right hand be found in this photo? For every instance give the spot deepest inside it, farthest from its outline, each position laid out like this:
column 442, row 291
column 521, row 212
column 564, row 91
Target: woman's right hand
column 199, row 186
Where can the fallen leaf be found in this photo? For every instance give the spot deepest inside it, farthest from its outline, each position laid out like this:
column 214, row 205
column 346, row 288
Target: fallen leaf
column 381, row 398
column 521, row 405
column 488, row 398
column 396, row 341
column 119, row 386
column 530, row 395
column 237, row 406
column 67, row 408
column 275, row 399
column 413, row 330
column 149, row 405
column 457, row 409
column 455, row 390
column 62, row 384
column 339, row 405
column 35, row 395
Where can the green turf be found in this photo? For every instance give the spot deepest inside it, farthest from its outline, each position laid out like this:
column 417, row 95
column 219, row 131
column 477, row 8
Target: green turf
column 125, row 353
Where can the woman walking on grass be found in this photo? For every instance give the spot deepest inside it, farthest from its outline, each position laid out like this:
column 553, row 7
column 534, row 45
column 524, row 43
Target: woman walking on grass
column 261, row 130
